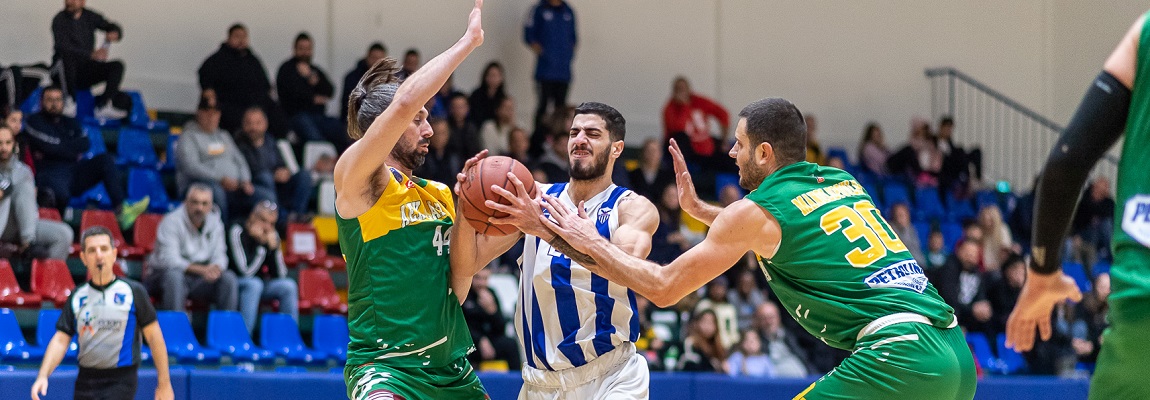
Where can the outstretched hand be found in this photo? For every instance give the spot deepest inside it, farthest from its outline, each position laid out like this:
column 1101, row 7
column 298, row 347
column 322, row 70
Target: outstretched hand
column 523, row 212
column 475, row 25
column 1039, row 295
column 574, row 227
column 688, row 197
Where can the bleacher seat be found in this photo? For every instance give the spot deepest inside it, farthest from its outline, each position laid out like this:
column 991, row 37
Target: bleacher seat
column 144, row 233
column 13, row 347
column 928, row 207
column 10, row 293
column 923, row 231
column 1078, row 272
column 316, row 290
column 138, row 115
column 726, row 179
column 108, row 220
column 46, row 328
column 134, row 148
column 951, row 233
column 983, row 353
column 96, row 144
column 986, row 198
column 170, row 154
column 146, row 182
column 329, row 334
column 895, row 192
column 959, row 210
column 180, row 340
column 1012, row 361
column 52, row 281
column 303, row 246
column 280, row 334
column 1100, row 267
column 96, row 195
column 228, row 334
column 31, row 104
column 50, row 214
column 86, row 110
column 839, row 152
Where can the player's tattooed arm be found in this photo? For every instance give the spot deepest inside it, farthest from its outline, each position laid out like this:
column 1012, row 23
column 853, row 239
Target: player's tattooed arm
column 575, row 255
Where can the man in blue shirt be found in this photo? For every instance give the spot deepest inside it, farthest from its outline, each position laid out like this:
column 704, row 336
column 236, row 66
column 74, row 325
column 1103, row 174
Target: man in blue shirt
column 550, row 32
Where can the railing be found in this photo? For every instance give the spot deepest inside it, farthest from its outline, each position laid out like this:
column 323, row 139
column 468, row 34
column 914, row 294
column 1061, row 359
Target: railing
column 1014, row 139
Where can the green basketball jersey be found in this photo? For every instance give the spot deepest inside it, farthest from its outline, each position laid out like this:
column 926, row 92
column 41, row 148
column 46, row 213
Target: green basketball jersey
column 839, row 265
column 1130, row 275
column 401, row 310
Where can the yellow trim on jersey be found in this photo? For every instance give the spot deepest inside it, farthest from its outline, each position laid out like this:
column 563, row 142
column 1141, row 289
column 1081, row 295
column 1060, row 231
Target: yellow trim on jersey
column 405, row 203
column 802, row 396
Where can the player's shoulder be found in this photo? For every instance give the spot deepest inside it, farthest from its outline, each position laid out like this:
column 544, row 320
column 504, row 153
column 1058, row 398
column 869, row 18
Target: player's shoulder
column 631, row 201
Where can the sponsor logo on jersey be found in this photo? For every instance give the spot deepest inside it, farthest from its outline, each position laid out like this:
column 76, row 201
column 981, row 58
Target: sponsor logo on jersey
column 420, row 210
column 903, row 275
column 604, row 215
column 1136, row 219
column 83, row 300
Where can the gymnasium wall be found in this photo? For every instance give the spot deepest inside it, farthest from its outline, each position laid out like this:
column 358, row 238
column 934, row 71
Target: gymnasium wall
column 847, row 62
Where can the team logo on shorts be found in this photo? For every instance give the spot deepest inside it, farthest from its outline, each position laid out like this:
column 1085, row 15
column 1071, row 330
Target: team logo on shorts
column 904, row 275
column 604, row 215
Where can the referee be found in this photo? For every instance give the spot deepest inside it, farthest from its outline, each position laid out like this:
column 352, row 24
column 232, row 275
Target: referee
column 109, row 319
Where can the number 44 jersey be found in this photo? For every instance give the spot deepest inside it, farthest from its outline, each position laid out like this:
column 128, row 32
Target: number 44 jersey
column 839, row 266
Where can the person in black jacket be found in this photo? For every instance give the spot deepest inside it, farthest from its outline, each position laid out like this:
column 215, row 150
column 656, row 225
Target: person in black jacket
column 233, row 79
column 270, row 174
column 1003, row 290
column 377, row 51
column 73, row 40
column 58, row 144
column 304, row 91
column 258, row 261
column 487, row 324
column 964, row 288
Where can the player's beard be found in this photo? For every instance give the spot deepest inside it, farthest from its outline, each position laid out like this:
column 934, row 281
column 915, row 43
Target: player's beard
column 410, row 155
column 582, row 171
column 750, row 176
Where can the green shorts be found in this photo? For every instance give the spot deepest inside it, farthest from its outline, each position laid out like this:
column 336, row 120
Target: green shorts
column 902, row 361
column 373, row 381
column 1122, row 364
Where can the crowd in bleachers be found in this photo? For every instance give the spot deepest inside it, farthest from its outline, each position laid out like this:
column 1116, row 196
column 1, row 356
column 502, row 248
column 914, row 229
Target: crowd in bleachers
column 240, row 182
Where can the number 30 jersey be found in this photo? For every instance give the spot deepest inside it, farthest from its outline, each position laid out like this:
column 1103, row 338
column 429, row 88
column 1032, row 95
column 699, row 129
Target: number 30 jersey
column 839, row 266
column 401, row 310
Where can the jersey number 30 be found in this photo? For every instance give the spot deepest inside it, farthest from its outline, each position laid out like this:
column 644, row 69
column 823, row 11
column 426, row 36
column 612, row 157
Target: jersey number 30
column 864, row 223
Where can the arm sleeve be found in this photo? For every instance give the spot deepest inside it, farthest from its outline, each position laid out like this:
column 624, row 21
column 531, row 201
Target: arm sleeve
column 43, row 137
column 145, row 312
column 167, row 252
column 292, row 88
column 60, row 41
column 24, row 202
column 324, row 87
column 531, row 26
column 714, row 109
column 244, row 265
column 188, row 159
column 67, row 321
column 1095, row 127
column 208, row 73
column 239, row 160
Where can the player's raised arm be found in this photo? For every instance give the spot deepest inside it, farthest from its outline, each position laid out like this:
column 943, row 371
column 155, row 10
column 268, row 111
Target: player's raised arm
column 355, row 168
column 638, row 220
column 742, row 226
column 470, row 251
column 689, row 199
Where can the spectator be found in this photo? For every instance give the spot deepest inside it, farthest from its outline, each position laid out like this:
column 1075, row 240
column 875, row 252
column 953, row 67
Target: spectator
column 57, row 144
column 815, row 152
column 437, row 106
column 489, row 95
column 703, row 350
column 20, row 225
column 669, row 240
column 996, row 240
column 652, row 176
column 465, row 139
column 258, row 264
column 411, row 63
column 208, row 155
column 919, row 161
column 836, row 162
column 441, row 164
column 517, row 144
column 900, row 222
column 73, row 40
column 269, row 172
column 1022, row 219
column 687, row 119
column 304, row 91
column 550, row 32
column 234, row 79
column 873, row 152
column 1093, row 224
column 495, row 131
column 377, row 51
column 935, row 250
column 787, row 357
column 955, row 173
column 964, row 288
column 727, row 317
column 747, row 297
column 488, row 326
column 1003, row 289
column 748, row 358
column 1094, row 310
column 190, row 260
column 15, row 119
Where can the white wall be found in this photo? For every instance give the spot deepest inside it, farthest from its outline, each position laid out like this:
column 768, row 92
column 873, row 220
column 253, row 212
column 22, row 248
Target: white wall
column 847, row 62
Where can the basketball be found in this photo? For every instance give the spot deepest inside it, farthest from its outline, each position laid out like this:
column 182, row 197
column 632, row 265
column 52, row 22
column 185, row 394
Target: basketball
column 480, row 177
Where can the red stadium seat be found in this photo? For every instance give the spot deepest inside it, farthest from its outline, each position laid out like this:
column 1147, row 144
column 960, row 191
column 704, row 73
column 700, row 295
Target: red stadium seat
column 50, row 214
column 52, row 280
column 316, row 289
column 144, row 236
column 108, row 220
column 10, row 293
column 302, row 245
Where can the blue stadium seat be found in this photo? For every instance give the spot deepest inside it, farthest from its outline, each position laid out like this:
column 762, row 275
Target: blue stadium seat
column 1078, row 272
column 895, row 192
column 980, row 347
column 134, row 148
column 138, row 115
column 329, row 334
column 97, row 195
column 289, row 369
column 280, row 334
column 181, row 341
column 986, row 198
column 13, row 347
column 951, row 233
column 96, row 138
column 923, row 230
column 31, row 104
column 1101, row 267
column 170, row 158
column 724, row 180
column 46, row 328
column 959, row 210
column 227, row 333
column 840, row 153
column 146, row 182
column 86, row 110
column 928, row 207
column 1012, row 361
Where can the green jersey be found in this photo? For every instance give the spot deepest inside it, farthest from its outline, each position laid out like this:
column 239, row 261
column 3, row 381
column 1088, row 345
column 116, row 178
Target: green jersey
column 401, row 310
column 839, row 265
column 1130, row 275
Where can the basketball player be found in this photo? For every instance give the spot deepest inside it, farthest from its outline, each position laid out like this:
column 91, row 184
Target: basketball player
column 577, row 328
column 1117, row 100
column 835, row 264
column 408, row 336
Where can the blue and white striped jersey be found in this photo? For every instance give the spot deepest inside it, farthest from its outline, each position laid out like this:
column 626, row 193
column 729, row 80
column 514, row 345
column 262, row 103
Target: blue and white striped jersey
column 568, row 316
